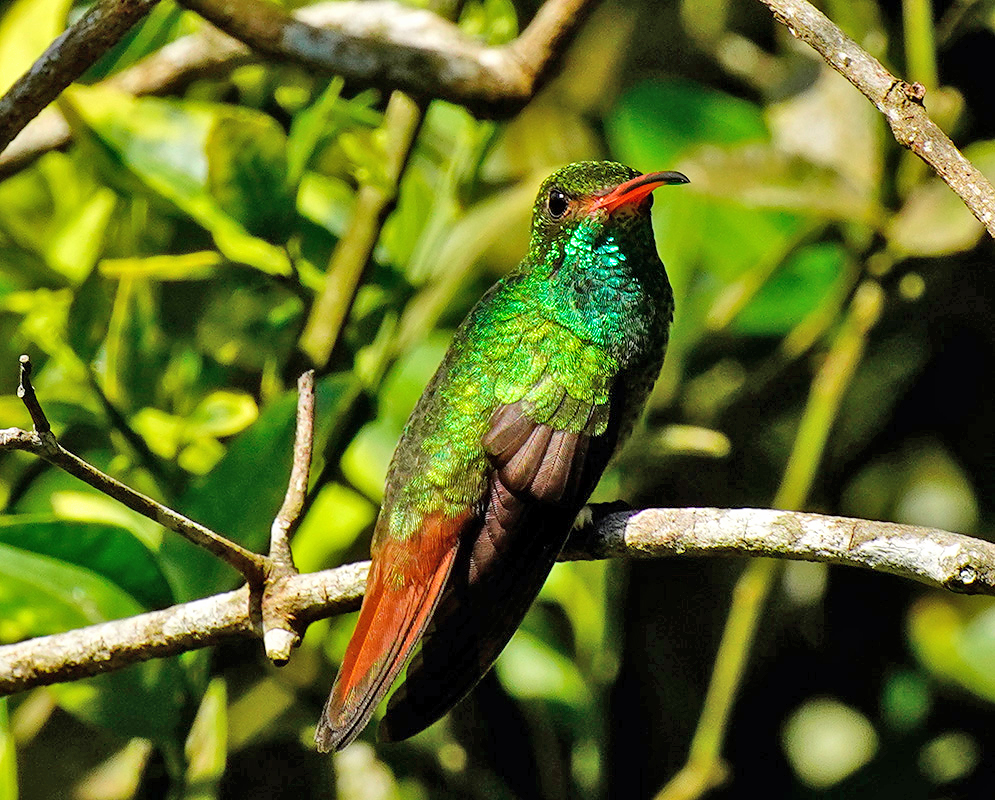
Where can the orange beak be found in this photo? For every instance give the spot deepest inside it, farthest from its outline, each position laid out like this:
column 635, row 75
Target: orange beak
column 637, row 189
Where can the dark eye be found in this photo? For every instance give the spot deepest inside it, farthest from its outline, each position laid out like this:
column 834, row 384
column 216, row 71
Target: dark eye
column 557, row 203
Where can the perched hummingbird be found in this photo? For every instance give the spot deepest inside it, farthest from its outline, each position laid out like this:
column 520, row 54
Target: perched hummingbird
column 542, row 382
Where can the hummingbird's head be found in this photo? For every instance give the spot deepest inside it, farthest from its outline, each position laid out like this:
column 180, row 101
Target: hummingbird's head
column 596, row 191
column 593, row 262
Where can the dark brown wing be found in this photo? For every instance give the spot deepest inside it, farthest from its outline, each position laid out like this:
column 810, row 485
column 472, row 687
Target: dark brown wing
column 542, row 476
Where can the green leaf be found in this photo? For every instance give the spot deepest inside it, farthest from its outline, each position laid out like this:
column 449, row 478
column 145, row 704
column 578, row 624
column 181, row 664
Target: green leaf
column 143, row 700
column 74, row 248
column 222, row 413
column 655, row 122
column 327, row 202
column 954, row 638
column 796, row 289
column 168, row 145
column 247, row 172
column 219, row 414
column 187, row 267
column 107, row 550
column 368, row 455
column 579, row 589
column 27, row 28
column 243, row 326
column 163, row 24
column 40, row 595
column 310, row 128
column 494, row 21
column 707, row 244
column 530, row 669
column 333, row 523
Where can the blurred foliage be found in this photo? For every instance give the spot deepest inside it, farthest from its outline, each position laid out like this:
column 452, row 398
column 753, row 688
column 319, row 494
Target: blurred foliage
column 160, row 273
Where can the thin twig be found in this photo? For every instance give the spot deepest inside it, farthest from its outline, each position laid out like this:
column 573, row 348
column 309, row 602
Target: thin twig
column 68, row 57
column 288, row 517
column 936, row 558
column 279, row 635
column 42, row 443
column 900, row 102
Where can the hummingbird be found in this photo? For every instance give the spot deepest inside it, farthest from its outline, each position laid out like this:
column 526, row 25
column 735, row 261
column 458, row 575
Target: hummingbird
column 543, row 381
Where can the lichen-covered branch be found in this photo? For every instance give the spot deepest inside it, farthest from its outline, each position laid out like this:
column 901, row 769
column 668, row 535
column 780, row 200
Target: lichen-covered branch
column 934, row 557
column 379, row 43
column 928, row 555
column 157, row 634
column 900, row 102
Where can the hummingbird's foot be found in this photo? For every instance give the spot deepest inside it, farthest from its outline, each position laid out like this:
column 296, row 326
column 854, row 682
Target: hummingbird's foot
column 580, row 544
column 584, row 519
column 593, row 512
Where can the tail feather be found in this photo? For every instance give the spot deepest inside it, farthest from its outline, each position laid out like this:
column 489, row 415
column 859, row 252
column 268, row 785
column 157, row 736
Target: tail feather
column 485, row 601
column 404, row 586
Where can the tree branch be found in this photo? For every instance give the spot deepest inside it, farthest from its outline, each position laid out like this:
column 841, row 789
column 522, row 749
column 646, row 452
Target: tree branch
column 68, row 57
column 900, row 102
column 388, row 46
column 937, row 558
column 378, row 43
column 168, row 70
column 157, row 634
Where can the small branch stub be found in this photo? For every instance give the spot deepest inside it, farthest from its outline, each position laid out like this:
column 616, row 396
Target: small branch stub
column 288, row 517
column 279, row 642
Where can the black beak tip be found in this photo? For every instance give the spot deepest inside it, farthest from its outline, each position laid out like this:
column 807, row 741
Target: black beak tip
column 678, row 178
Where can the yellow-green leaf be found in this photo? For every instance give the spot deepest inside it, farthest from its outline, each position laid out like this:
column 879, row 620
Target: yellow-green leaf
column 222, row 414
column 26, row 29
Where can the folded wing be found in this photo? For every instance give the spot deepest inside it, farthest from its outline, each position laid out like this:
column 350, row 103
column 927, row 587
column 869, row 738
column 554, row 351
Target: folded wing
column 542, row 475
